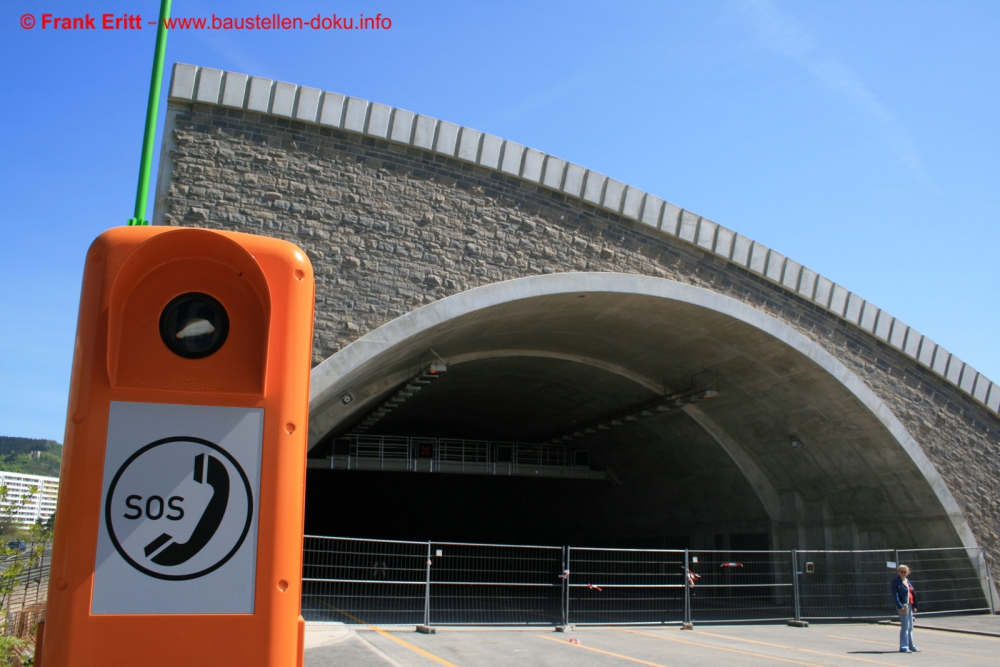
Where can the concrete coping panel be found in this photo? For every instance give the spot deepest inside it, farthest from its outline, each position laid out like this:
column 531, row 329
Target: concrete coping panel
column 235, row 90
column 758, row 257
column 652, row 208
column 883, row 325
column 688, row 228
column 613, row 195
column 510, row 159
column 468, row 144
column 706, row 233
column 968, row 380
column 259, row 97
column 533, row 161
column 357, row 110
column 193, row 84
column 402, row 126
column 209, row 85
column 332, row 112
column 633, row 202
column 554, row 170
column 378, row 120
column 573, row 183
column 807, row 282
column 790, row 276
column 670, row 219
column 868, row 315
column 447, row 138
column 741, row 250
column 182, row 82
column 775, row 266
column 897, row 337
column 982, row 388
column 724, row 238
column 284, row 99
column 489, row 157
column 423, row 133
column 593, row 187
column 307, row 106
column 912, row 344
column 925, row 354
column 854, row 304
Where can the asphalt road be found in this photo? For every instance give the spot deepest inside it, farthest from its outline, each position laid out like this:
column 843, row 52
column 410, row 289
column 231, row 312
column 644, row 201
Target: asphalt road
column 820, row 645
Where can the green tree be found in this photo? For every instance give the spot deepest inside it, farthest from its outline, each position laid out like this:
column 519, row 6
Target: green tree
column 16, row 564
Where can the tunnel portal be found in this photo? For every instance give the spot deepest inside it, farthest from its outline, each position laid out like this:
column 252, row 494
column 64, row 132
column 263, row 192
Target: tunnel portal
column 701, row 423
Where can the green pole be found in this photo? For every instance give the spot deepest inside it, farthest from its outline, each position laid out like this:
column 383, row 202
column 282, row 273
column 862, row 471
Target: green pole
column 146, row 162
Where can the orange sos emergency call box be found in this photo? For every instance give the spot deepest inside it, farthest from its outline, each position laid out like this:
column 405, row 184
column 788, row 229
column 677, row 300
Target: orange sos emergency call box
column 178, row 536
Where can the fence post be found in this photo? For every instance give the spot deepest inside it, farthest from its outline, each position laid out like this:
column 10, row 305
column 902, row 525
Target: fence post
column 687, row 588
column 990, row 591
column 566, row 552
column 427, row 589
column 795, row 584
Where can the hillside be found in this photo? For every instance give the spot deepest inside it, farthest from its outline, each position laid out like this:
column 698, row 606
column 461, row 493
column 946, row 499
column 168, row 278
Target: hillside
column 15, row 456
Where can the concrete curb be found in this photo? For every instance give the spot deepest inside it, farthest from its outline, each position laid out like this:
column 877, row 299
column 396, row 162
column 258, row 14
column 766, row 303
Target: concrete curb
column 981, row 633
column 202, row 85
column 966, row 632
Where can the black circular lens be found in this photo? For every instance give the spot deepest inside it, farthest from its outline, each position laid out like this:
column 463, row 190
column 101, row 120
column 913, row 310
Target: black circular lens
column 194, row 325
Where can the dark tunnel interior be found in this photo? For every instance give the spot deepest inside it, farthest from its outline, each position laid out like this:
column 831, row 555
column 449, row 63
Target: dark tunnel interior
column 665, row 475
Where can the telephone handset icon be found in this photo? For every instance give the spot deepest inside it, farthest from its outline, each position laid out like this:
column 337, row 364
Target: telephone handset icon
column 216, row 476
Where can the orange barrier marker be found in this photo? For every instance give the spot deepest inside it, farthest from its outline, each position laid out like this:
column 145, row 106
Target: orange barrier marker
column 178, row 537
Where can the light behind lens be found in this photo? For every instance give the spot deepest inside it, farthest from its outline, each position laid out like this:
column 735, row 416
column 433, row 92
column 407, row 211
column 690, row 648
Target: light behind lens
column 194, row 325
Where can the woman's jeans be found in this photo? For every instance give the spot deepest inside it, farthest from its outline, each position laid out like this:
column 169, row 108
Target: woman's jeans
column 906, row 629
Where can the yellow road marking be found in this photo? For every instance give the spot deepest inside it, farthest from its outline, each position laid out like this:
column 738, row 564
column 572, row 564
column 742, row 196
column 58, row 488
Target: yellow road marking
column 723, row 648
column 597, row 650
column 415, row 649
column 749, row 641
column 929, row 650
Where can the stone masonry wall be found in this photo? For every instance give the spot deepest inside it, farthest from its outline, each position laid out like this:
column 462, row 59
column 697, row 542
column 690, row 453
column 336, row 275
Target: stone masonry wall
column 389, row 228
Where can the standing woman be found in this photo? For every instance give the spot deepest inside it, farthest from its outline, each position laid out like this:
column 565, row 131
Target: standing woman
column 905, row 599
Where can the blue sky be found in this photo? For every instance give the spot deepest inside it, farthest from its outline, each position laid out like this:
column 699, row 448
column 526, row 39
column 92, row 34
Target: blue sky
column 859, row 138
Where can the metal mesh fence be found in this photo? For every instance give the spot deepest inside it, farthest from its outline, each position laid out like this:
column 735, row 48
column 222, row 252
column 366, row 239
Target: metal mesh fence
column 609, row 586
column 948, row 580
column 845, row 584
column 364, row 581
column 741, row 585
column 494, row 584
column 448, row 583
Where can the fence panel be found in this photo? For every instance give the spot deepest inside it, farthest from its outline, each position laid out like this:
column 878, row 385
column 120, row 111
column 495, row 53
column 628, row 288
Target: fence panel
column 364, row 581
column 495, row 584
column 741, row 585
column 948, row 580
column 845, row 584
column 609, row 586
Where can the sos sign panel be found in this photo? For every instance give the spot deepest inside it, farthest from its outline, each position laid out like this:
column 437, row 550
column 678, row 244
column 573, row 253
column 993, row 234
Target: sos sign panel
column 179, row 526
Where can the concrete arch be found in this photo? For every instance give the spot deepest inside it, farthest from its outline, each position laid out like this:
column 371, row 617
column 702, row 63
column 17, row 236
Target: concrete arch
column 361, row 362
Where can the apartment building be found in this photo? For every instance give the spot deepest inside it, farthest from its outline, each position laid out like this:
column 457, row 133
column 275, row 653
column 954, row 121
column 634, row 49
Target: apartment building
column 41, row 505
